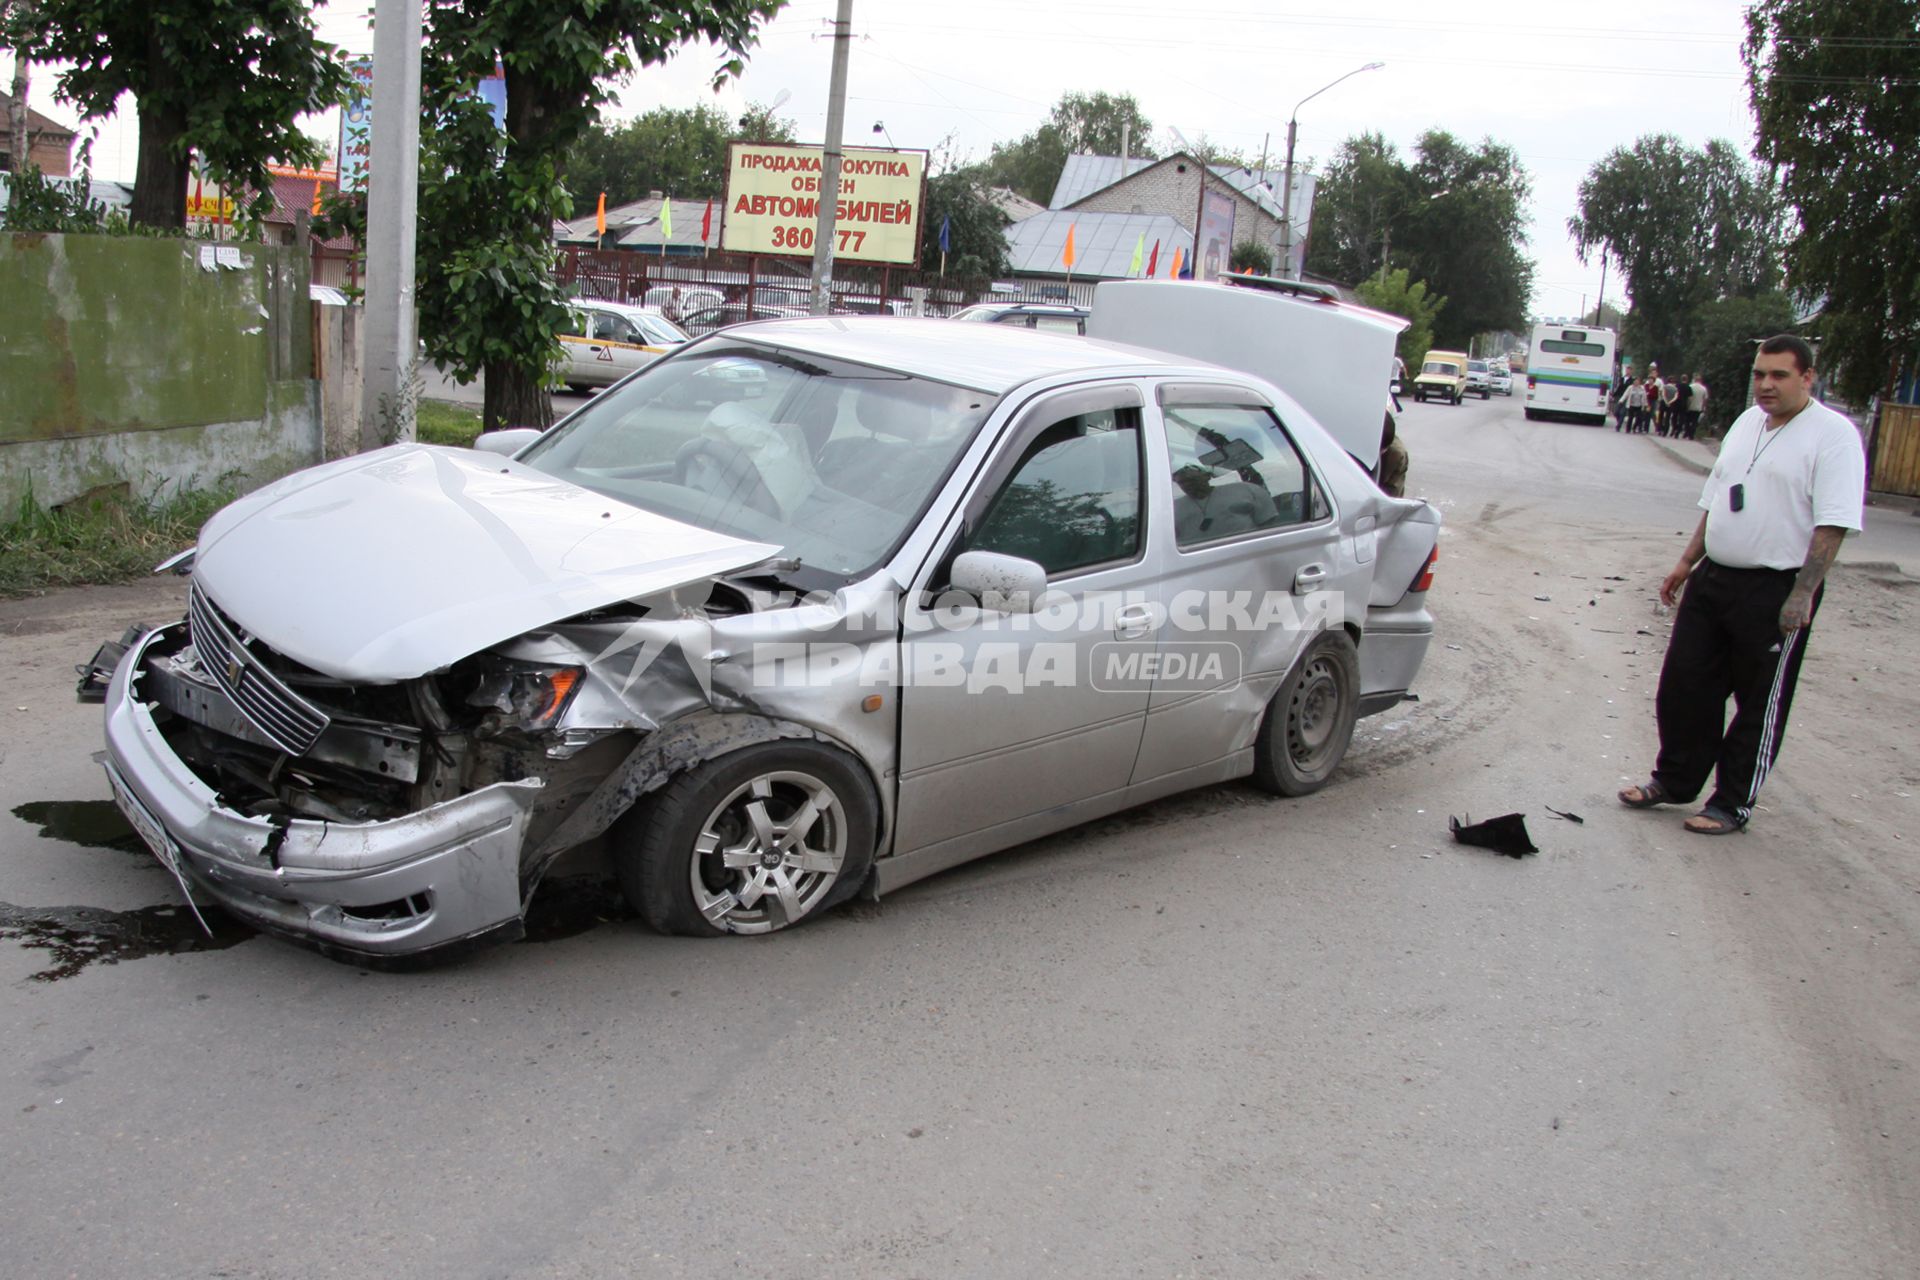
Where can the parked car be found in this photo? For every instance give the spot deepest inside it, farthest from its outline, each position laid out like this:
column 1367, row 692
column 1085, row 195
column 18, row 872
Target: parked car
column 693, row 298
column 909, row 594
column 1050, row 316
column 1480, row 378
column 1442, row 376
column 606, row 341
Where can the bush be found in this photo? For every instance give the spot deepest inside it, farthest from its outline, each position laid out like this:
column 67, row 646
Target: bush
column 1251, row 255
column 108, row 535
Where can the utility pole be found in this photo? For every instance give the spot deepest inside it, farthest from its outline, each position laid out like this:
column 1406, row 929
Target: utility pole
column 830, row 162
column 387, row 334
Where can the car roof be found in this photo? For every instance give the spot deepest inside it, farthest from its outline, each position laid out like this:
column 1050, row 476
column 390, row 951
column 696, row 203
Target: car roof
column 624, row 308
column 985, row 357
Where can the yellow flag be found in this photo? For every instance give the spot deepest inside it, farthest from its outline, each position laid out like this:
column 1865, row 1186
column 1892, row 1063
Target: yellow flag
column 1068, row 255
column 666, row 219
column 600, row 216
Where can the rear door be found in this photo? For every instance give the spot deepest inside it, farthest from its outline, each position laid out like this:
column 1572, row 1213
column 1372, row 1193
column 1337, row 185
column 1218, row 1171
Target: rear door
column 1256, row 567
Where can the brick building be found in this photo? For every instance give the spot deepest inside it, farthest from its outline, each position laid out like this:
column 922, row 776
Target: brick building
column 49, row 143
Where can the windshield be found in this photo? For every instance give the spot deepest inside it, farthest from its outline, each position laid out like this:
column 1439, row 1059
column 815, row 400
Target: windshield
column 980, row 311
column 1477, row 366
column 1441, row 366
column 658, row 329
column 833, row 462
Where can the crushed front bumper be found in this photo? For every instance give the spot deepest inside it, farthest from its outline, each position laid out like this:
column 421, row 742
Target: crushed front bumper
column 441, row 879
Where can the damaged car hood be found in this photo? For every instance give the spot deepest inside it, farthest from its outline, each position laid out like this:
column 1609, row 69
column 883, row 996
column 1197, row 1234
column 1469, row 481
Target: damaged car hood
column 392, row 564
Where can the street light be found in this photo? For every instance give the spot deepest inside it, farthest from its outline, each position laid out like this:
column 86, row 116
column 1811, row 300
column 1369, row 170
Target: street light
column 880, row 128
column 1286, row 193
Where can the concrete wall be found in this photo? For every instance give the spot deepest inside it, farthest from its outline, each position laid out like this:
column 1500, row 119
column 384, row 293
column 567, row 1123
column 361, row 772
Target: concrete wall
column 136, row 361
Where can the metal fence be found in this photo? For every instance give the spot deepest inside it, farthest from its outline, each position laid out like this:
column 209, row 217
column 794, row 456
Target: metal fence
column 726, row 288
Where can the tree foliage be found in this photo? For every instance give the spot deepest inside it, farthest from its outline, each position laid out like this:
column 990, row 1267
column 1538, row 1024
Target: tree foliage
column 1454, row 216
column 1838, row 119
column 682, row 152
column 976, row 229
column 1251, row 255
column 1397, row 294
column 1686, row 226
column 488, row 300
column 228, row 80
column 1080, row 123
column 1721, row 346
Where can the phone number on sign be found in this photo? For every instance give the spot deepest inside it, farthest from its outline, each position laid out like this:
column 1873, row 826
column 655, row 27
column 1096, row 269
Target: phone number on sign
column 798, row 237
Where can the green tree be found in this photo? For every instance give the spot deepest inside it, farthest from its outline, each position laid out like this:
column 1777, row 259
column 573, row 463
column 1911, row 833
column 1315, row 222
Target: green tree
column 1720, row 346
column 682, row 152
column 1394, row 293
column 487, row 296
column 1686, row 226
column 976, row 229
column 1251, row 255
column 1080, row 123
column 1839, row 121
column 1454, row 216
column 228, row 80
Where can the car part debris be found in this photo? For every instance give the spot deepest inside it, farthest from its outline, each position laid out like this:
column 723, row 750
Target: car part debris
column 1505, row 834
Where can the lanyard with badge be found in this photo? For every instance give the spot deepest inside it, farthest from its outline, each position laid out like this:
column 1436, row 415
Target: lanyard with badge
column 1737, row 495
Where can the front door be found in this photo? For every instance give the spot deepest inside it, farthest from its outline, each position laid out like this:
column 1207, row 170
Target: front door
column 1001, row 718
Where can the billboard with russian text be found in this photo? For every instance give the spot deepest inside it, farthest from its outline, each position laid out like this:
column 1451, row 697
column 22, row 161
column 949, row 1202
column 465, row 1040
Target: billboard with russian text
column 773, row 202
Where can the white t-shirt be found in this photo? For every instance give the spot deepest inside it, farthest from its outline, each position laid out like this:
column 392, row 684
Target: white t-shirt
column 1812, row 471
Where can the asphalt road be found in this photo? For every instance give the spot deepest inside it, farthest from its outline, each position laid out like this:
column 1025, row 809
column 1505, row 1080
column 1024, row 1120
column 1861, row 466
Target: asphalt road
column 1223, row 1035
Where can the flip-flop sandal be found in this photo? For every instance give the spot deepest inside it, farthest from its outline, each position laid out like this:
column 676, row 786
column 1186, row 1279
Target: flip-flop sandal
column 1727, row 823
column 1651, row 794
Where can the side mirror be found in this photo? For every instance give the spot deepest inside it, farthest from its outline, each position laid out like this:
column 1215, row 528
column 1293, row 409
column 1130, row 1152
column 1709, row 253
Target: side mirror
column 1004, row 584
column 506, row 443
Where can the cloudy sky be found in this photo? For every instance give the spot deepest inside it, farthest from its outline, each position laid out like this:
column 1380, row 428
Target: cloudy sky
column 1560, row 94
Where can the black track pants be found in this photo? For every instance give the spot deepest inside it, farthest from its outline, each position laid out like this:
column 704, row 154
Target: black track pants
column 1726, row 640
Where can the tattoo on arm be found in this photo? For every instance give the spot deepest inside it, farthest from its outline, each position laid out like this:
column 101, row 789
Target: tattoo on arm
column 1821, row 550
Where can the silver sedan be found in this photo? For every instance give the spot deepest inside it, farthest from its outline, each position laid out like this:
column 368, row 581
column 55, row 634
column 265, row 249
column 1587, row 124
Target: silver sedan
column 803, row 609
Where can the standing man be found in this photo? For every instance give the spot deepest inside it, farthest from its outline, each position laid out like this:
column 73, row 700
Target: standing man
column 1393, row 462
column 1784, row 493
column 1698, row 406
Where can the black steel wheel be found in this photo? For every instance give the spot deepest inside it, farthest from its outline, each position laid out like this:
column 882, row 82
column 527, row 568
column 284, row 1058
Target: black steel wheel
column 1309, row 722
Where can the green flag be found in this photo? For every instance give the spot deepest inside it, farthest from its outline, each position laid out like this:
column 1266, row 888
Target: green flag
column 1138, row 250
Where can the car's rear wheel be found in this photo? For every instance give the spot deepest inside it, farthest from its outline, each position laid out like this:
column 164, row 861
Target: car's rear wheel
column 1309, row 722
column 750, row 842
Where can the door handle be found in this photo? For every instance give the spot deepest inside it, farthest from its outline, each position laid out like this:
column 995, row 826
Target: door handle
column 1309, row 577
column 1132, row 620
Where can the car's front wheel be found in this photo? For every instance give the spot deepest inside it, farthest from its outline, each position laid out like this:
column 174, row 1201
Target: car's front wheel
column 1310, row 720
column 750, row 842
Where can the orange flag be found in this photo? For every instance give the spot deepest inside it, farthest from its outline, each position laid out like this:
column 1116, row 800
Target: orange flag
column 600, row 217
column 1178, row 254
column 1068, row 255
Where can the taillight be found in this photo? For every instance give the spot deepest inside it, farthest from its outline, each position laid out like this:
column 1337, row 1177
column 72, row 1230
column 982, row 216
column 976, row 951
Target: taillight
column 1529, row 382
column 1424, row 579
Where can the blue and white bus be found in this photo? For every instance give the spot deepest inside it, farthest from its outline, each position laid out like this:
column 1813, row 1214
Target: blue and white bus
column 1569, row 371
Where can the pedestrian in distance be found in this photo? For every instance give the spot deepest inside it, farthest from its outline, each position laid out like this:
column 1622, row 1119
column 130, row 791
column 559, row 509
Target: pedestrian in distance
column 1669, row 407
column 1784, row 493
column 1633, row 406
column 1393, row 462
column 1394, row 384
column 1696, row 406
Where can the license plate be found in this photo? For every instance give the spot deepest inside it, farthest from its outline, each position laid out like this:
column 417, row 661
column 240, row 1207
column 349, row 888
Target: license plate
column 145, row 824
